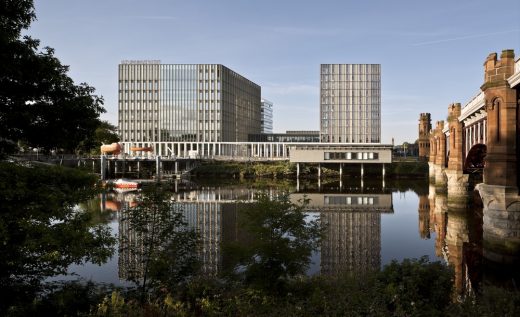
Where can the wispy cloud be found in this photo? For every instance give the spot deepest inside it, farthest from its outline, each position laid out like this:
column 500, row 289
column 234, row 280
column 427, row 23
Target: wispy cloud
column 466, row 37
column 152, row 17
column 305, row 31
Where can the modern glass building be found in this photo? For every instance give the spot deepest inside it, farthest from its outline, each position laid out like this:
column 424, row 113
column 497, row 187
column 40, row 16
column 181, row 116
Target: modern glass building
column 350, row 103
column 186, row 103
column 267, row 116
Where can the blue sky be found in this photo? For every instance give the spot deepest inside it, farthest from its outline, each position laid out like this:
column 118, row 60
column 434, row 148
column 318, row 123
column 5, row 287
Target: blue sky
column 431, row 52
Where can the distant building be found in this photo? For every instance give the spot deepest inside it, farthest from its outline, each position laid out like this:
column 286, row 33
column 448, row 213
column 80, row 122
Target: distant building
column 186, row 103
column 288, row 136
column 350, row 103
column 267, row 116
column 425, row 126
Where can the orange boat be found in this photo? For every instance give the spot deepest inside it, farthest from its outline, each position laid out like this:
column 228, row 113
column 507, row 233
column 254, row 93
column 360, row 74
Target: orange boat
column 125, row 184
column 143, row 148
column 114, row 148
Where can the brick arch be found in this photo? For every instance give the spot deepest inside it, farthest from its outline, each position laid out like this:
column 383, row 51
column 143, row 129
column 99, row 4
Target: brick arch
column 474, row 161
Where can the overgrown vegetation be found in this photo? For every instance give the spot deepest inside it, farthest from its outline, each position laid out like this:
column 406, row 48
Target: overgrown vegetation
column 285, row 169
column 410, row 288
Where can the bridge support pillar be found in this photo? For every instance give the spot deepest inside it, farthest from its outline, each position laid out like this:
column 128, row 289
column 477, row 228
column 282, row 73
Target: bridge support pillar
column 458, row 188
column 501, row 223
column 440, row 177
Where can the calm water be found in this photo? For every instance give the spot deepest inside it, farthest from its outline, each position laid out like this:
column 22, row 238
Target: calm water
column 367, row 227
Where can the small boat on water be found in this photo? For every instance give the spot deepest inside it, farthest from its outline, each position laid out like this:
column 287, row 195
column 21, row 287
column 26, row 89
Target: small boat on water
column 123, row 183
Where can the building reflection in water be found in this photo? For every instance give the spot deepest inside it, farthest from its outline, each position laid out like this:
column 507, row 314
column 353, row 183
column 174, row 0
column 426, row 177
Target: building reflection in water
column 352, row 243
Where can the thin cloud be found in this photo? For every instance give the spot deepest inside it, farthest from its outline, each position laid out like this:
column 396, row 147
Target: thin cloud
column 474, row 36
column 305, row 31
column 152, row 17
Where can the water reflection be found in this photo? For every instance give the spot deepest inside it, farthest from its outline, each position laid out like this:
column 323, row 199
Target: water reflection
column 353, row 225
column 459, row 241
column 361, row 222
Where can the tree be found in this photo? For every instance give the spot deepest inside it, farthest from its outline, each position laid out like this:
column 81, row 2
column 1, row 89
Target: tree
column 40, row 104
column 42, row 232
column 281, row 239
column 105, row 133
column 160, row 249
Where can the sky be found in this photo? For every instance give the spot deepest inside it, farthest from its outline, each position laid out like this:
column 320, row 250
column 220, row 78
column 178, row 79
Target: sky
column 431, row 52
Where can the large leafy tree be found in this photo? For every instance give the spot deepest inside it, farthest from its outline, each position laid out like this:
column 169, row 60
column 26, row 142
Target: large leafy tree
column 39, row 103
column 42, row 230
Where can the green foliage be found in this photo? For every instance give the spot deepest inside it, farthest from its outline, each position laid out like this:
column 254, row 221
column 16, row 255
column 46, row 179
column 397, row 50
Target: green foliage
column 41, row 230
column 408, row 169
column 247, row 169
column 280, row 242
column 105, row 133
column 388, row 293
column 158, row 237
column 40, row 104
column 416, row 286
column 492, row 301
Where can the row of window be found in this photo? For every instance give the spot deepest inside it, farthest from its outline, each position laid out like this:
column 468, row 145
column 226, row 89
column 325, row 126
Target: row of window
column 346, row 200
column 351, row 156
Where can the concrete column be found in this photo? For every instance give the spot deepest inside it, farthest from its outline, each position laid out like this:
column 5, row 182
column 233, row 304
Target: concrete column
column 297, row 170
column 384, row 172
column 158, row 168
column 362, row 170
column 93, row 166
column 103, row 167
column 319, row 170
column 176, row 167
column 340, row 171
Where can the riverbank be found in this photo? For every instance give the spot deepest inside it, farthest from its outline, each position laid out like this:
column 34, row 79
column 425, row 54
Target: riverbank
column 285, row 169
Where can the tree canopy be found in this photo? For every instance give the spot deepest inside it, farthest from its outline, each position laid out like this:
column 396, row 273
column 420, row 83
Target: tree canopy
column 40, row 104
column 42, row 231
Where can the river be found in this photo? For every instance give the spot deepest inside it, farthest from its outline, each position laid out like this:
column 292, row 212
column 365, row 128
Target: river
column 368, row 225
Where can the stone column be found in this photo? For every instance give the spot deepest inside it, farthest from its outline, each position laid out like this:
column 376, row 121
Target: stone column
column 501, row 223
column 499, row 192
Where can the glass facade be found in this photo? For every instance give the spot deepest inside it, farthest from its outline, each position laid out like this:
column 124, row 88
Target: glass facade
column 350, row 103
column 267, row 116
column 186, row 103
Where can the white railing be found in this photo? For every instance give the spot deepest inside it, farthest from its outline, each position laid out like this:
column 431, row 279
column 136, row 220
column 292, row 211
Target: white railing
column 478, row 102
